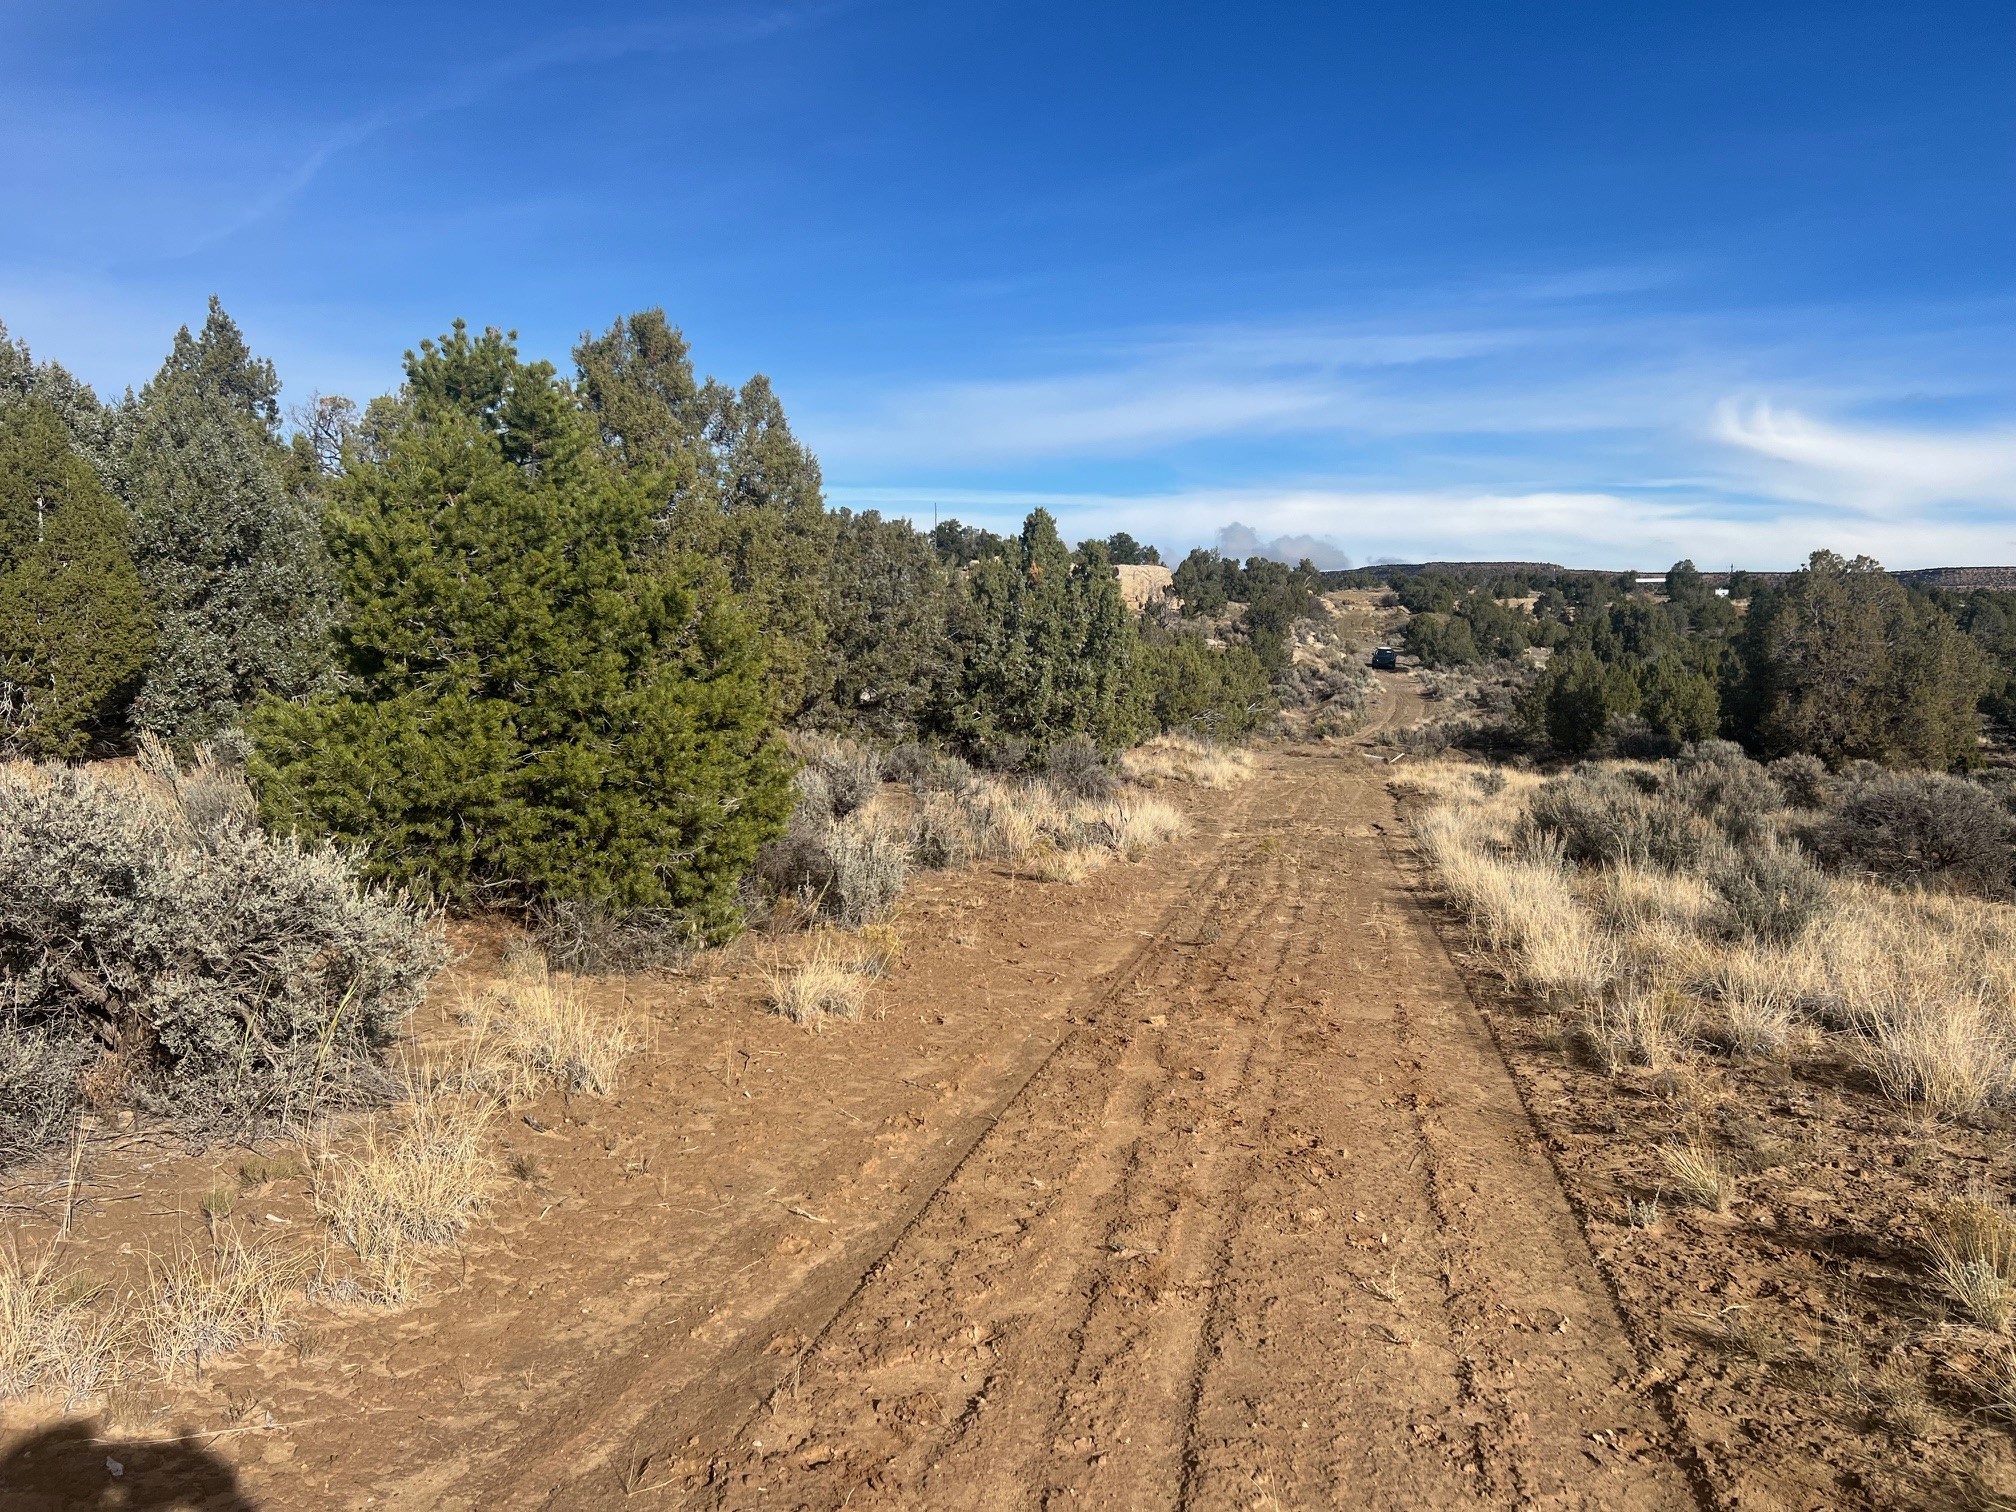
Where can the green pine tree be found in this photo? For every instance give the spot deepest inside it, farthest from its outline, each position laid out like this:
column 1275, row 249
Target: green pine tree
column 1044, row 645
column 539, row 703
column 74, row 625
column 1842, row 664
column 887, row 656
column 233, row 560
column 735, row 485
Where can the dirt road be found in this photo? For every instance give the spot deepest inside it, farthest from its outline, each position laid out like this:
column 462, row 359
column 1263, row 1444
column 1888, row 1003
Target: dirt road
column 1269, row 1228
column 1200, row 1184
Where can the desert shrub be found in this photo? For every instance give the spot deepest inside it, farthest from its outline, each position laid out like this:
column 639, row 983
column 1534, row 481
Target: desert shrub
column 589, row 938
column 908, row 761
column 929, row 771
column 1606, row 819
column 39, row 1090
column 211, row 970
column 1077, row 767
column 1919, row 829
column 1766, row 891
column 1005, row 754
column 1802, row 779
column 1717, row 781
column 941, row 833
column 849, row 773
column 849, row 870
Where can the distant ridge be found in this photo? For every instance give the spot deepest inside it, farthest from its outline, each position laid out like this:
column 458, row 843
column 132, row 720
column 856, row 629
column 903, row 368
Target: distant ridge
column 1954, row 579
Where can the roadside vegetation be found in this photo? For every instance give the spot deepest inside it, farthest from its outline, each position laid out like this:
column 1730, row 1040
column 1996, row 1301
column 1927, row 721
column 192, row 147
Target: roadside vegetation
column 1784, row 1000
column 287, row 699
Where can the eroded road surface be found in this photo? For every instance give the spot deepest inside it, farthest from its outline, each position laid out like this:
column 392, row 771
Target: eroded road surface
column 1268, row 1228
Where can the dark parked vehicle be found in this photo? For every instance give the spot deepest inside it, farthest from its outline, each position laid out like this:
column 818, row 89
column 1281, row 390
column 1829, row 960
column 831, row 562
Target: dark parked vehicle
column 1386, row 658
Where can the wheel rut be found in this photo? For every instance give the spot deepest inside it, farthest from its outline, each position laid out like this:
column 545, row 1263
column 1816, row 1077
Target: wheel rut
column 1268, row 1228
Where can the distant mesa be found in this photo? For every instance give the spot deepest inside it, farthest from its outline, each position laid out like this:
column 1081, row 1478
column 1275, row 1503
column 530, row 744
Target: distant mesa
column 1954, row 579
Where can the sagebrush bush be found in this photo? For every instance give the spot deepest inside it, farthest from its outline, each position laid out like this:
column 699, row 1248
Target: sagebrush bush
column 1606, row 819
column 1802, row 779
column 206, row 967
column 1919, row 829
column 1717, row 781
column 1766, row 891
column 849, row 870
column 1078, row 768
column 848, row 773
column 942, row 833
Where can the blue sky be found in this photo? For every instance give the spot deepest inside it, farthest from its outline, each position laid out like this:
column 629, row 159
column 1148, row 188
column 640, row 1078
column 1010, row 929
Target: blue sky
column 1600, row 283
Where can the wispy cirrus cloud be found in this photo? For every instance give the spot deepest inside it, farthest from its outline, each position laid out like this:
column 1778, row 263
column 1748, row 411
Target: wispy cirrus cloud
column 1882, row 470
column 1578, row 528
column 1635, row 439
column 458, row 90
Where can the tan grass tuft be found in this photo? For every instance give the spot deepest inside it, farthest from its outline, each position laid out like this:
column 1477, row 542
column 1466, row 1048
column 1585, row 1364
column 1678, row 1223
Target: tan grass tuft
column 1640, row 1028
column 540, row 1026
column 416, row 1184
column 1181, row 758
column 828, row 983
column 1069, row 866
column 1140, row 824
column 55, row 1341
column 1973, row 1254
column 203, row 1300
column 1698, row 1175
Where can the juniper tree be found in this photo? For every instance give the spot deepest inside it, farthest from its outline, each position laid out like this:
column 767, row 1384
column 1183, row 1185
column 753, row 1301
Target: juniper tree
column 74, row 625
column 736, row 486
column 1044, row 643
column 540, row 702
column 93, row 429
column 887, row 656
column 233, row 559
column 1839, row 662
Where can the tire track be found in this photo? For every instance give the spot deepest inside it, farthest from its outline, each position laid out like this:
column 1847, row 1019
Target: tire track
column 1268, row 1230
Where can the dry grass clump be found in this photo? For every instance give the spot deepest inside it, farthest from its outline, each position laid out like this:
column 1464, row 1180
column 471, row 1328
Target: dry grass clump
column 1183, row 758
column 540, row 1027
column 1922, row 984
column 1952, row 1053
column 833, row 978
column 1057, row 864
column 1698, row 1175
column 1141, row 824
column 415, row 1184
column 55, row 1341
column 1757, row 1023
column 1640, row 1028
column 203, row 1300
column 830, row 982
column 1973, row 1254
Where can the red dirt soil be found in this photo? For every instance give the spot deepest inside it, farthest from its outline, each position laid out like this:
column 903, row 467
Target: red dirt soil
column 1199, row 1184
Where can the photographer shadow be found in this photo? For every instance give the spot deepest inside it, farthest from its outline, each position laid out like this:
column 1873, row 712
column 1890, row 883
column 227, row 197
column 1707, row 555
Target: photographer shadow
column 72, row 1468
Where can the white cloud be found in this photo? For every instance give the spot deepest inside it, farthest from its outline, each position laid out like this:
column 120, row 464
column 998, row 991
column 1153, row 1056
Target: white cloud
column 1881, row 471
